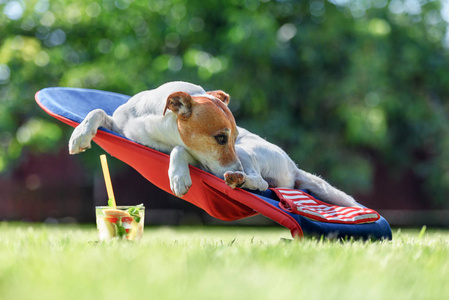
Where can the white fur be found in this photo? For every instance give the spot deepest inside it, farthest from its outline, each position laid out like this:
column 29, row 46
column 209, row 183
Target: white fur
column 264, row 164
column 263, row 161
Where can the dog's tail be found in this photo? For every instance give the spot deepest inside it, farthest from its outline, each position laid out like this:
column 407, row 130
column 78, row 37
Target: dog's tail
column 322, row 189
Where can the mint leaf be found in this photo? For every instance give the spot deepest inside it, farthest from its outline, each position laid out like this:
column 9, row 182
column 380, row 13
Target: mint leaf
column 111, row 202
column 121, row 231
column 134, row 212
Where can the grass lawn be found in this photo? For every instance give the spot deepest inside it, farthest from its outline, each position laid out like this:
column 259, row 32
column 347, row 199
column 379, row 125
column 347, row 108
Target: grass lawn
column 65, row 262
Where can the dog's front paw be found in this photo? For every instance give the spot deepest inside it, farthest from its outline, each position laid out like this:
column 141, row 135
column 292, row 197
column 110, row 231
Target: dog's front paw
column 180, row 185
column 234, row 179
column 81, row 139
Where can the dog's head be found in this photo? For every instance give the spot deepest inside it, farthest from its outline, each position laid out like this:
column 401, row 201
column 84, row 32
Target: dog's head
column 207, row 128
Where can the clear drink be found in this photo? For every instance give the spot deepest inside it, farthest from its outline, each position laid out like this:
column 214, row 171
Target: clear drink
column 122, row 222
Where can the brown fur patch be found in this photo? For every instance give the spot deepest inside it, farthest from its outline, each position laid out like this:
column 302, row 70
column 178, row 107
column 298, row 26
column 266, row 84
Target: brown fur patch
column 180, row 103
column 220, row 95
column 208, row 119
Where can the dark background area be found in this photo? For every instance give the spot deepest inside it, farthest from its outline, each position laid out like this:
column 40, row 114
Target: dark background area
column 355, row 91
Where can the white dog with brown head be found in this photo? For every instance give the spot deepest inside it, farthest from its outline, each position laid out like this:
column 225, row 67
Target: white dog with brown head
column 196, row 127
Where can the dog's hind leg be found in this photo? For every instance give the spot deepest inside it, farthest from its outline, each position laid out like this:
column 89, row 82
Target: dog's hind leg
column 250, row 178
column 323, row 190
column 82, row 135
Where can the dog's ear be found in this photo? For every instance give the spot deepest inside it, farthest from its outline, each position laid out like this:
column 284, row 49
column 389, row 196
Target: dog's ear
column 180, row 103
column 220, row 95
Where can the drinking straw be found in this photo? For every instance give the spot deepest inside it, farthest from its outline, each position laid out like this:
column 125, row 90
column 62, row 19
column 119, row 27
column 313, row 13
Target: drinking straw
column 107, row 179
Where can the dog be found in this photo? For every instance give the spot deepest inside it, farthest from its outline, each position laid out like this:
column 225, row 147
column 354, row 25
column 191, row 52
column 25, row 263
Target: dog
column 196, row 127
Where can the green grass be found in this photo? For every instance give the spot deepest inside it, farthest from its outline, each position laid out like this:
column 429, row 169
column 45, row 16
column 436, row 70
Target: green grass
column 65, row 262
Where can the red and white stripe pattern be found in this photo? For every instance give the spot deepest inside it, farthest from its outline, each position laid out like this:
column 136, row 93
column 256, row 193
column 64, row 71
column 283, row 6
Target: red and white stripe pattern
column 299, row 202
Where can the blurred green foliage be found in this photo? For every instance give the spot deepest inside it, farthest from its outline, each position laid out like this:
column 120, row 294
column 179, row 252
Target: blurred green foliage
column 341, row 84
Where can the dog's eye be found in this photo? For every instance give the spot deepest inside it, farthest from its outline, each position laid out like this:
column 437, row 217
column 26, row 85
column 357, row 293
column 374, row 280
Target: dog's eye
column 221, row 139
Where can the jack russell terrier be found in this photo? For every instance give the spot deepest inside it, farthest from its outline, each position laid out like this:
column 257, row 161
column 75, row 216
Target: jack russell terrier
column 196, row 127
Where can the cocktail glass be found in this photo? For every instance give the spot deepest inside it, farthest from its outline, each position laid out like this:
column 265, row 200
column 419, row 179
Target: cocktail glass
column 121, row 222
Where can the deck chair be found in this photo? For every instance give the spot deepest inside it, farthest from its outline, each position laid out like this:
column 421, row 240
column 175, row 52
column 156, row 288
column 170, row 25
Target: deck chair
column 299, row 211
